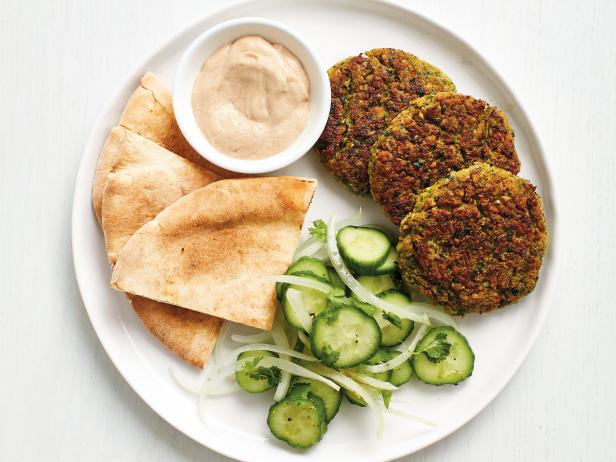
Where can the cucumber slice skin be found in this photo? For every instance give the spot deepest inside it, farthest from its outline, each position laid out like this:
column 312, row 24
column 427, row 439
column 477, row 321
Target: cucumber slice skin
column 354, row 399
column 355, row 335
column 310, row 265
column 358, row 400
column 392, row 335
column 335, row 279
column 380, row 356
column 390, row 265
column 363, row 249
column 330, row 397
column 318, row 300
column 304, row 266
column 377, row 284
column 299, row 422
column 455, row 368
column 401, row 374
column 245, row 381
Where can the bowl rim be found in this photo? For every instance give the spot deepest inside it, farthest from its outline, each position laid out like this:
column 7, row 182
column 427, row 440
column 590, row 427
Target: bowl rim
column 320, row 100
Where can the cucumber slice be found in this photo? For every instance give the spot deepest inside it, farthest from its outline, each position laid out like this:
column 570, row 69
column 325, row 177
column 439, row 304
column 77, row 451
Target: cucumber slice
column 335, row 279
column 390, row 265
column 344, row 336
column 310, row 265
column 377, row 284
column 391, row 334
column 330, row 397
column 456, row 367
column 299, row 419
column 312, row 300
column 242, row 374
column 380, row 357
column 363, row 249
column 401, row 374
column 304, row 266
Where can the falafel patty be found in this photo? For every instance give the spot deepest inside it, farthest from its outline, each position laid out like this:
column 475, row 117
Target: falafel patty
column 436, row 135
column 474, row 241
column 368, row 91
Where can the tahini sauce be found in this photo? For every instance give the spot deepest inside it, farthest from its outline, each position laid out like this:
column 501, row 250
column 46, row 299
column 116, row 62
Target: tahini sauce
column 251, row 99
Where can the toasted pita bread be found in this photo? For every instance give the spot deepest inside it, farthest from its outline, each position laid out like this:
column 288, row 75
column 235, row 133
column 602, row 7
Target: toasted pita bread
column 190, row 335
column 213, row 250
column 144, row 179
column 149, row 113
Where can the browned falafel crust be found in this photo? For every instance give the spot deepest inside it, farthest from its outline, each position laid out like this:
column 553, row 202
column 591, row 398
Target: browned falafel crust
column 368, row 91
column 436, row 135
column 474, row 241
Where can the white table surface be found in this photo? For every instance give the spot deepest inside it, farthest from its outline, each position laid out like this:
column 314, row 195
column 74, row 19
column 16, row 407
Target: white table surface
column 60, row 396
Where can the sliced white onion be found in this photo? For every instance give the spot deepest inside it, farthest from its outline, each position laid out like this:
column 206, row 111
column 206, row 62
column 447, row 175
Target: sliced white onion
column 322, row 254
column 220, row 342
column 372, row 382
column 421, row 315
column 311, row 247
column 220, row 388
column 409, row 416
column 304, row 282
column 296, row 369
column 356, row 388
column 299, row 310
column 406, row 353
column 254, row 338
column 185, row 383
column 304, row 339
column 280, row 339
column 284, row 350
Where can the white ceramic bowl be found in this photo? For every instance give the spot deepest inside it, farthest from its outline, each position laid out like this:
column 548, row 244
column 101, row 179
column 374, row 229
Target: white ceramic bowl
column 225, row 33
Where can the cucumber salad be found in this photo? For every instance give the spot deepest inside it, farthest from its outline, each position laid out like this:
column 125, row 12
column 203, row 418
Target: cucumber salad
column 345, row 328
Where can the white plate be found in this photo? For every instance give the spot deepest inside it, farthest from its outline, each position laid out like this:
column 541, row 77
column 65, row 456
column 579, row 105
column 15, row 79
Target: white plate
column 237, row 427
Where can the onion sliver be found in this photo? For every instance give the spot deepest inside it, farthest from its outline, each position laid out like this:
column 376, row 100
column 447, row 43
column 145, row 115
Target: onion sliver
column 304, row 282
column 184, row 382
column 372, row 382
column 255, row 338
column 403, row 356
column 217, row 389
column 356, row 388
column 409, row 416
column 298, row 370
column 409, row 311
column 299, row 310
column 280, row 339
column 285, row 350
column 311, row 247
column 304, row 339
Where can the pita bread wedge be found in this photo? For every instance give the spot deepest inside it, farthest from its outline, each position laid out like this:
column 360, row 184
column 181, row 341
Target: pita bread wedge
column 190, row 335
column 149, row 112
column 144, row 179
column 213, row 250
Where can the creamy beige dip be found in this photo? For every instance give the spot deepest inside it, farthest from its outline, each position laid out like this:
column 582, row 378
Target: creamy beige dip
column 251, row 99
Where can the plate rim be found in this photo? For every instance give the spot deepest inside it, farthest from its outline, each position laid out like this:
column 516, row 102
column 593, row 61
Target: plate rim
column 549, row 186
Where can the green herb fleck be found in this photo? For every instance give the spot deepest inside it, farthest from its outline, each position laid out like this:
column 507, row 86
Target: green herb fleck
column 438, row 349
column 271, row 374
column 328, row 355
column 319, row 230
